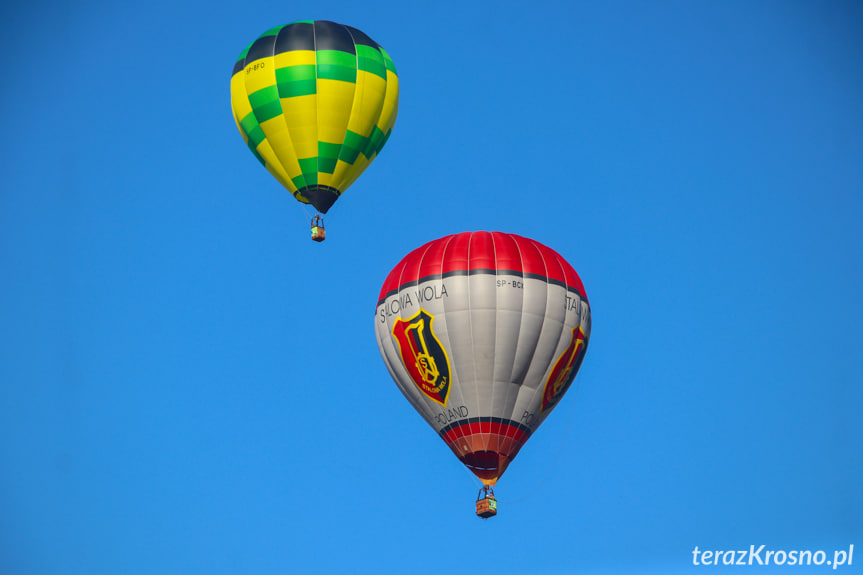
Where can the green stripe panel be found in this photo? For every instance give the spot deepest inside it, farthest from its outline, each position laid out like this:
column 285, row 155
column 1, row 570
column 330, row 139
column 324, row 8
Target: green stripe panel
column 373, row 67
column 336, row 65
column 328, row 155
column 254, row 134
column 335, row 58
column 268, row 111
column 309, row 168
column 253, row 130
column 296, row 81
column 370, row 60
column 355, row 140
column 295, row 73
column 348, row 155
column 389, row 62
column 300, row 88
column 265, row 103
column 376, row 142
column 257, row 155
column 299, row 182
column 263, row 96
column 343, row 73
column 351, row 147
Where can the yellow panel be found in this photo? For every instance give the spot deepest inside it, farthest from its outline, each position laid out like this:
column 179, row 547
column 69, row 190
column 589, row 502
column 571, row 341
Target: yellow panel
column 301, row 117
column 341, row 173
column 391, row 104
column 326, row 179
column 305, row 140
column 300, row 110
column 371, row 90
column 335, row 100
column 279, row 139
column 239, row 102
column 261, row 77
column 385, row 123
column 273, row 165
column 295, row 58
column 368, row 101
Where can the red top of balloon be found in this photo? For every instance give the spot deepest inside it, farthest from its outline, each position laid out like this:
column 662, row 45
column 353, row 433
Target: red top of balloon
column 471, row 252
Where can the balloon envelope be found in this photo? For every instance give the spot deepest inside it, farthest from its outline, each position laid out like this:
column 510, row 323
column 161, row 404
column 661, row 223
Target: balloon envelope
column 483, row 332
column 315, row 101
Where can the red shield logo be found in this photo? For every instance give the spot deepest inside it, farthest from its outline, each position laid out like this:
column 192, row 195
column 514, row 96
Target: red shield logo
column 564, row 370
column 423, row 355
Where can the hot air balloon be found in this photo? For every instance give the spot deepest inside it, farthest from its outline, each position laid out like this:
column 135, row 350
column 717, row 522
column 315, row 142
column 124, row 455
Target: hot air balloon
column 315, row 101
column 483, row 333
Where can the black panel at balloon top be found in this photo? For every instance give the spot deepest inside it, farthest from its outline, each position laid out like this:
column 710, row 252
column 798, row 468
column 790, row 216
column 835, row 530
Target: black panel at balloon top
column 332, row 36
column 361, row 38
column 296, row 36
column 260, row 48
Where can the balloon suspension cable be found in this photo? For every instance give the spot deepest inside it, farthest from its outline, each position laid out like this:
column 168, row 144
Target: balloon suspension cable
column 307, row 215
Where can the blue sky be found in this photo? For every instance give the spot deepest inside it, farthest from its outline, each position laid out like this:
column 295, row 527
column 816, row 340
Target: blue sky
column 189, row 385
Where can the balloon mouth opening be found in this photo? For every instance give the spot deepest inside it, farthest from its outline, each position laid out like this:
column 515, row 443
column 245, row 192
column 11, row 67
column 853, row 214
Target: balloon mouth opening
column 488, row 466
column 320, row 196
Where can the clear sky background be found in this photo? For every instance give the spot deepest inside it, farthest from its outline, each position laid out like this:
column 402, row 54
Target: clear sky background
column 189, row 385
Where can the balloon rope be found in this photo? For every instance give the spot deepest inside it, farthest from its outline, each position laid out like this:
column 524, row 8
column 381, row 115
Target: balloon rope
column 307, row 216
column 557, row 457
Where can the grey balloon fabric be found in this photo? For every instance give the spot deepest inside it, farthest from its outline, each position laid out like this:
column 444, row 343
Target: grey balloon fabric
column 483, row 332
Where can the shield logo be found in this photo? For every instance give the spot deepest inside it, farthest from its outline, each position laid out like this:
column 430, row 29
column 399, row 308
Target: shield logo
column 423, row 355
column 564, row 370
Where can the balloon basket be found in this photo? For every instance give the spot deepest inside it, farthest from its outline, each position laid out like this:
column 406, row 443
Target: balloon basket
column 318, row 232
column 486, row 504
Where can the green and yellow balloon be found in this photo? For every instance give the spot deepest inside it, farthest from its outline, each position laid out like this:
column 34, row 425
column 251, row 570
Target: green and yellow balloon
column 315, row 101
